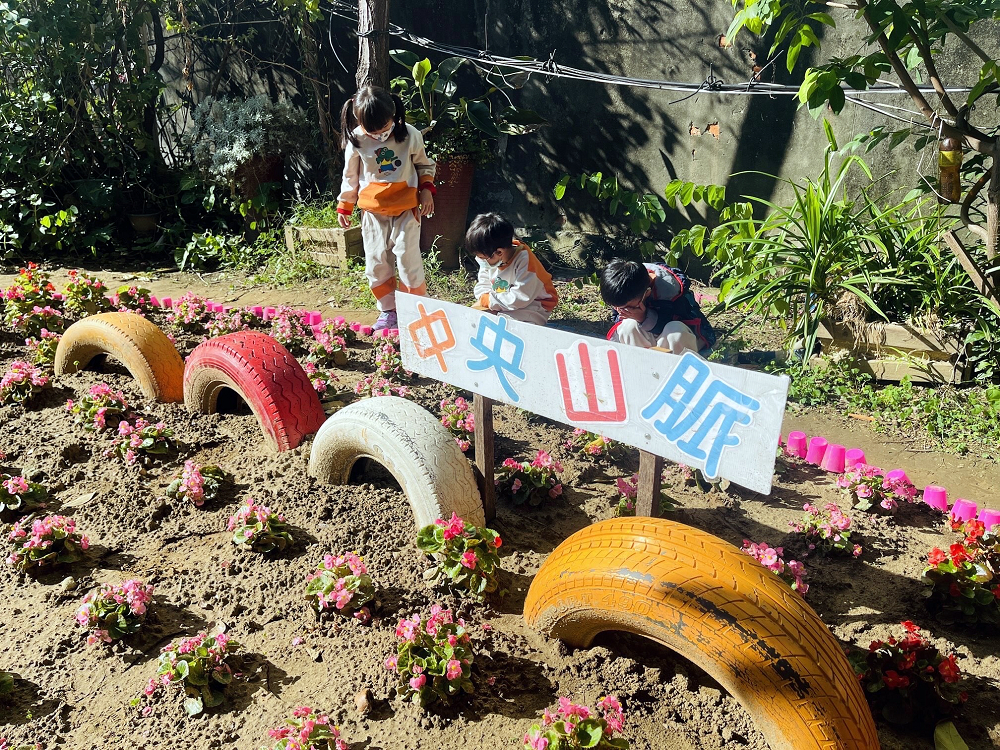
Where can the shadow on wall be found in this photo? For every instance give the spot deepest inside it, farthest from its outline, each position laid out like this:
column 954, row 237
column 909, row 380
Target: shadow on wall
column 643, row 136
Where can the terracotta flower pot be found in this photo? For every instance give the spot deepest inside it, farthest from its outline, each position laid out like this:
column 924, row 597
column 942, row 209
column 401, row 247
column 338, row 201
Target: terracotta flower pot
column 144, row 223
column 451, row 209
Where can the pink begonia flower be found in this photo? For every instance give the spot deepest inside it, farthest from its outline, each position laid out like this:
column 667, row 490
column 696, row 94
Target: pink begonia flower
column 453, row 670
column 391, row 663
column 418, row 682
column 570, row 709
column 469, row 560
column 534, row 740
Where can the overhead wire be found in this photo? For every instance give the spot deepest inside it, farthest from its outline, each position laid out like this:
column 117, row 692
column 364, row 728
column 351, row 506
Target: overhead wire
column 551, row 69
column 489, row 63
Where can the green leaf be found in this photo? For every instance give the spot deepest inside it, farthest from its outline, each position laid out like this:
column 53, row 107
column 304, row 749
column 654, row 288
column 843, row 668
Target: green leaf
column 421, row 70
column 515, row 121
column 588, row 733
column 193, row 706
column 829, row 134
column 405, row 57
column 560, row 189
column 479, row 115
column 211, row 699
column 898, row 137
column 946, row 737
column 716, row 196
column 837, row 99
column 793, row 54
column 686, row 193
column 449, row 65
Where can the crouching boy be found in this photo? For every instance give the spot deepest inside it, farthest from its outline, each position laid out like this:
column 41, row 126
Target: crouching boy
column 511, row 279
column 653, row 306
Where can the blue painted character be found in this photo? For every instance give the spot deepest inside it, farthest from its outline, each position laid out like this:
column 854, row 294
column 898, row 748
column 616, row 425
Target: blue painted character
column 712, row 415
column 494, row 352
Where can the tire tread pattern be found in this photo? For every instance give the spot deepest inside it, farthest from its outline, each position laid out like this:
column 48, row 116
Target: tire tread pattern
column 412, row 444
column 134, row 341
column 715, row 605
column 265, row 375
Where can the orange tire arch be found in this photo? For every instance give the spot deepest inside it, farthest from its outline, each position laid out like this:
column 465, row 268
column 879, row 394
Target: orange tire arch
column 719, row 608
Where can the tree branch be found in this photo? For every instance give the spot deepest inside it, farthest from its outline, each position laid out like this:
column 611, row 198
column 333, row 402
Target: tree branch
column 975, row 140
column 976, row 229
column 966, row 40
column 923, row 44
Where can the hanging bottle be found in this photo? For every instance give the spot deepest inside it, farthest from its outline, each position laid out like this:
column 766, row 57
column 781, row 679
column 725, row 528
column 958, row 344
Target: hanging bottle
column 949, row 170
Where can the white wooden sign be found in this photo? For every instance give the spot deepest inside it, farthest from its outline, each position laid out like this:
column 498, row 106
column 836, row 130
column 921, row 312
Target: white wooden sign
column 722, row 420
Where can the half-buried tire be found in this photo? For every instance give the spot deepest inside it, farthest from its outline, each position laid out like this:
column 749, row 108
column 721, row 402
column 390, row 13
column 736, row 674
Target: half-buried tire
column 264, row 375
column 717, row 607
column 412, row 444
column 138, row 344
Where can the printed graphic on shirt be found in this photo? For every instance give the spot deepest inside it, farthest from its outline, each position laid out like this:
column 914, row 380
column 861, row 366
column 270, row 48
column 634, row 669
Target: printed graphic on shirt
column 501, row 285
column 387, row 161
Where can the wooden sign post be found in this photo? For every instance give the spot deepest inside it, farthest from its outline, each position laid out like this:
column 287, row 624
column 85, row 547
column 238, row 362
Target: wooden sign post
column 647, row 499
column 482, row 409
column 721, row 420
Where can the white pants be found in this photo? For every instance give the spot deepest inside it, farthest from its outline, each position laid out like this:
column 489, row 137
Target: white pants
column 533, row 313
column 675, row 337
column 399, row 235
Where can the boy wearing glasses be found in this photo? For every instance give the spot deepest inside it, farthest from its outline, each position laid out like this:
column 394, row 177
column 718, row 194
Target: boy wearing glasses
column 653, row 306
column 511, row 279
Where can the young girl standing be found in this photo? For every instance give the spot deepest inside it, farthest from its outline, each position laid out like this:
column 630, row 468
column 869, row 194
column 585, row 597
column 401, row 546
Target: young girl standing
column 388, row 174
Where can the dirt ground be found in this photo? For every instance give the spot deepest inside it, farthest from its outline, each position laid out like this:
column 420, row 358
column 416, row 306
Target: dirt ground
column 70, row 696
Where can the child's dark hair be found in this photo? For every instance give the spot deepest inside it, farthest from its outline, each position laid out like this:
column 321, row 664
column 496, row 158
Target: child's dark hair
column 488, row 233
column 623, row 281
column 372, row 107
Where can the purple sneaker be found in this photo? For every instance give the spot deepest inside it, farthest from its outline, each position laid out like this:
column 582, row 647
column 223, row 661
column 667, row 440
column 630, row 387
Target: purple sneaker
column 385, row 320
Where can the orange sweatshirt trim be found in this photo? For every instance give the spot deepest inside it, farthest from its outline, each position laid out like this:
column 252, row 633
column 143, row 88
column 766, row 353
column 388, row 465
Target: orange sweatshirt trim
column 389, row 198
column 535, row 266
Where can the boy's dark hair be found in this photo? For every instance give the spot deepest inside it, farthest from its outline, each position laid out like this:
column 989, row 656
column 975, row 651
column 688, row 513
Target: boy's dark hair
column 623, row 281
column 488, row 233
column 372, row 107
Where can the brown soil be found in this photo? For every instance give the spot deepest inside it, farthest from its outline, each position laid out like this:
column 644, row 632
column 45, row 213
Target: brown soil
column 69, row 695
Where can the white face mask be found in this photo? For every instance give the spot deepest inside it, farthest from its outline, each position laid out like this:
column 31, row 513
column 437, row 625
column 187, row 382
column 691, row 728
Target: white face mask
column 381, row 137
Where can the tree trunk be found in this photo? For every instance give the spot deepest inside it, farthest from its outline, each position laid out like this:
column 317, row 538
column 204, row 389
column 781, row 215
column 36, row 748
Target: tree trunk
column 993, row 208
column 373, row 43
column 321, row 95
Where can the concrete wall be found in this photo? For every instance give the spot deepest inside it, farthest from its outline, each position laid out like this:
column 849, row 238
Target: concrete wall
column 642, row 135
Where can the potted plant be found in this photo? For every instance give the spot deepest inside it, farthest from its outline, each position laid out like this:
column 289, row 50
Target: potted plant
column 458, row 133
column 314, row 226
column 141, row 202
column 242, row 143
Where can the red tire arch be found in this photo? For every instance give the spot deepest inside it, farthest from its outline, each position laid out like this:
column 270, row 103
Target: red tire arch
column 265, row 375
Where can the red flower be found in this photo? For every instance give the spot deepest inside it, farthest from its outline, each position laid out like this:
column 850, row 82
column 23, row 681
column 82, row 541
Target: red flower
column 936, row 557
column 893, row 680
column 954, row 590
column 907, row 661
column 963, row 696
column 974, row 530
column 497, row 541
column 910, row 627
column 949, row 669
column 996, row 591
column 959, row 554
column 876, row 645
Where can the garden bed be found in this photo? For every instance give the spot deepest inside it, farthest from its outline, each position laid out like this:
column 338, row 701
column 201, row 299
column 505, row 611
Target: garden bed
column 69, row 695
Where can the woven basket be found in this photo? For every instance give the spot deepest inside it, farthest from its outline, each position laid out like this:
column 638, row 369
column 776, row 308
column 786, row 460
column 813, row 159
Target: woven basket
column 451, row 209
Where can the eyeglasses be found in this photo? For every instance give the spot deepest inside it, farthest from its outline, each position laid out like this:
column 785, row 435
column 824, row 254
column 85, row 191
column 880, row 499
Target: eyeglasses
column 636, row 307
